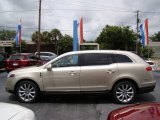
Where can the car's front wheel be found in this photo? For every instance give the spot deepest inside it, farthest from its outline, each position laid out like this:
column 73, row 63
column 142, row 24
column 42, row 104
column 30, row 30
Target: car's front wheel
column 27, row 92
column 124, row 92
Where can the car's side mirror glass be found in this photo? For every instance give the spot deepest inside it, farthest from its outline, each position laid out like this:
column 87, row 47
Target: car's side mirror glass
column 49, row 67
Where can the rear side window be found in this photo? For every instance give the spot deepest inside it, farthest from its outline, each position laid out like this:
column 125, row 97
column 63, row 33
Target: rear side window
column 151, row 63
column 97, row 59
column 122, row 58
column 17, row 57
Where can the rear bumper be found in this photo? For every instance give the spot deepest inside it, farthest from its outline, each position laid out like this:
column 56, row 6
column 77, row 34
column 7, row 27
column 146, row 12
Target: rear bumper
column 146, row 89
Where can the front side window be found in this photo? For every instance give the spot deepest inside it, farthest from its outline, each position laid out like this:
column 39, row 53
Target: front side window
column 67, row 61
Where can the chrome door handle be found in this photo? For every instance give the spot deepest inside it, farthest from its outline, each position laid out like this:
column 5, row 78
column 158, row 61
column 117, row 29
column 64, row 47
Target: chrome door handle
column 72, row 73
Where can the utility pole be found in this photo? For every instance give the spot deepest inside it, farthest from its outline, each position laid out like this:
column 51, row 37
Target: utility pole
column 137, row 12
column 39, row 30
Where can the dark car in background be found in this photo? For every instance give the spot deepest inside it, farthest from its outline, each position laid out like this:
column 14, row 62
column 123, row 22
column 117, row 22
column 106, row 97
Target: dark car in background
column 4, row 54
column 2, row 63
column 21, row 60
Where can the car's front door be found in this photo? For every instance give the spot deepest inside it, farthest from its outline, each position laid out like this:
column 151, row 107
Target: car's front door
column 64, row 75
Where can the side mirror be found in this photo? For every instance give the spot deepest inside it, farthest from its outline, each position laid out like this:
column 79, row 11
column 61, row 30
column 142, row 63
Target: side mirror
column 49, row 67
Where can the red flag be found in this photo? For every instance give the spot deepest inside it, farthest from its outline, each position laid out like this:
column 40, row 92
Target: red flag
column 146, row 25
column 81, row 31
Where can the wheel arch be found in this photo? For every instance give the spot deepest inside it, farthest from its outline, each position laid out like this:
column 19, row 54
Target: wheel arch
column 128, row 80
column 26, row 80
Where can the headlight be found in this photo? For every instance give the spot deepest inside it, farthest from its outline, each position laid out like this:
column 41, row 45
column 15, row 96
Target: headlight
column 10, row 75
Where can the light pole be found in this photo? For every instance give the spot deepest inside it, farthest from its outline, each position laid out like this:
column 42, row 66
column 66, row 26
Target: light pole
column 39, row 30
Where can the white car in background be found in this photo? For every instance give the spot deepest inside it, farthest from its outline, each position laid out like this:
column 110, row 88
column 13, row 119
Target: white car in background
column 15, row 112
column 153, row 64
column 49, row 54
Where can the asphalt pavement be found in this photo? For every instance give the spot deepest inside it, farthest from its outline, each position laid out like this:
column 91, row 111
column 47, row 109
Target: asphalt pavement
column 75, row 107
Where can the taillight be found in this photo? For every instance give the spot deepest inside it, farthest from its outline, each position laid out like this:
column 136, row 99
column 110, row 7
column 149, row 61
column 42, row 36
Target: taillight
column 149, row 68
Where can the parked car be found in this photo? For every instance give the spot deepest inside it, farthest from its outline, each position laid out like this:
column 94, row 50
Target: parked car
column 49, row 54
column 2, row 63
column 45, row 59
column 15, row 112
column 144, row 111
column 121, row 73
column 152, row 64
column 4, row 54
column 21, row 60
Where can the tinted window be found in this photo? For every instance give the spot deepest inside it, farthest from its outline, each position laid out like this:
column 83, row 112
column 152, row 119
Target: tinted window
column 70, row 60
column 32, row 56
column 97, row 59
column 45, row 58
column 151, row 63
column 122, row 58
column 16, row 57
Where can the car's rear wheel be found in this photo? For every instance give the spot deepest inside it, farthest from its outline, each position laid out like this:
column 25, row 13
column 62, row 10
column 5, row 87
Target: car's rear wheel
column 124, row 92
column 27, row 92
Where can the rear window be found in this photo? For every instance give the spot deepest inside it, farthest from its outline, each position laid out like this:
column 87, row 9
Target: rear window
column 16, row 57
column 122, row 58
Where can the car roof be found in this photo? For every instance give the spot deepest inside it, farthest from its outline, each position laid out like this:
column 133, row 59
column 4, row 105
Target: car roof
column 101, row 51
column 23, row 54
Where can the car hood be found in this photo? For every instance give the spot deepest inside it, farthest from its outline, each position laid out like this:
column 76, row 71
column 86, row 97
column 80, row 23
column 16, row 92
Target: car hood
column 15, row 112
column 25, row 69
column 146, row 111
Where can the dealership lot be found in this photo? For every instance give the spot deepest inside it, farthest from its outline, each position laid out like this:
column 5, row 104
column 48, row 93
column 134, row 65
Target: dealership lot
column 75, row 107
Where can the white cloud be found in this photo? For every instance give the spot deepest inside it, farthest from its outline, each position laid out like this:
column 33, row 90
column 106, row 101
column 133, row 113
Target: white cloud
column 96, row 14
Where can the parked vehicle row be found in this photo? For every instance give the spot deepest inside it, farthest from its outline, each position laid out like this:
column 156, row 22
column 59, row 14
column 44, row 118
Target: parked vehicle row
column 121, row 73
column 20, row 60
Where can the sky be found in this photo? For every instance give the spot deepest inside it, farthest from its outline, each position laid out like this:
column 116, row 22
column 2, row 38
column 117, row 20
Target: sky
column 60, row 14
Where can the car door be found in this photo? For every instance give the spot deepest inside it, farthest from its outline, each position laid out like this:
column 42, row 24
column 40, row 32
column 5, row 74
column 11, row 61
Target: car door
column 97, row 71
column 64, row 75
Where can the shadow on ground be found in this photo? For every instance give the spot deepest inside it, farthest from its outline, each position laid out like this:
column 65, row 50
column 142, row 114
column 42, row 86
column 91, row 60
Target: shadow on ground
column 86, row 99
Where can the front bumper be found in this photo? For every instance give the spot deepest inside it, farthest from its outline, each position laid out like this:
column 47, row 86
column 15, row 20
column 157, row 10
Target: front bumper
column 9, row 85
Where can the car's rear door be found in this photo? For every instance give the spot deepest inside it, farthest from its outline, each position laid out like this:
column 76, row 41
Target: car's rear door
column 97, row 71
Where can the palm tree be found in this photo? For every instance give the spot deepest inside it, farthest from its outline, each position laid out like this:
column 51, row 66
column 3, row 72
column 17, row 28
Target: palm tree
column 55, row 36
column 46, row 37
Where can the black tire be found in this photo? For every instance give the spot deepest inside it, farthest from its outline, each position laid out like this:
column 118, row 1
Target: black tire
column 27, row 92
column 124, row 92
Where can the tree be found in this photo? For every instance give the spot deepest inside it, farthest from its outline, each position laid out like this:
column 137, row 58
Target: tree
column 35, row 37
column 155, row 37
column 46, row 37
column 7, row 34
column 55, row 36
column 65, row 44
column 147, row 51
column 116, row 37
